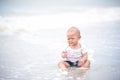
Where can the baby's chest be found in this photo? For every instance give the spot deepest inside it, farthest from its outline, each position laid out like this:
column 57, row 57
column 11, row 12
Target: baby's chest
column 74, row 53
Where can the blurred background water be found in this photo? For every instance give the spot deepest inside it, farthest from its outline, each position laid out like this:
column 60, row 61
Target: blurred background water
column 31, row 39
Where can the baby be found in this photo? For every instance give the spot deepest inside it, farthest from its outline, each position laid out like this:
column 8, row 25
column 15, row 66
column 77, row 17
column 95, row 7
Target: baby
column 75, row 54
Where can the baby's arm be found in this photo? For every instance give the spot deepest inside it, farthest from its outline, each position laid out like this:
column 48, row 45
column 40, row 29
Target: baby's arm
column 64, row 54
column 83, row 59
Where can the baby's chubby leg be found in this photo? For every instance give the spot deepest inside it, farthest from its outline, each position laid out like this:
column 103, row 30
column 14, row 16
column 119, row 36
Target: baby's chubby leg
column 84, row 64
column 63, row 65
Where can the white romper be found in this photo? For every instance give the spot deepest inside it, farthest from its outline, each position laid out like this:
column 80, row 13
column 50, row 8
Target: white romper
column 75, row 55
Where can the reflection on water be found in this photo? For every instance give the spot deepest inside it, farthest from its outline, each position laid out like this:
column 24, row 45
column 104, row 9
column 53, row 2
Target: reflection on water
column 26, row 56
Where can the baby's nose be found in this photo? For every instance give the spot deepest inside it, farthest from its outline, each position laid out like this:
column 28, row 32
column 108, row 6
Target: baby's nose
column 70, row 40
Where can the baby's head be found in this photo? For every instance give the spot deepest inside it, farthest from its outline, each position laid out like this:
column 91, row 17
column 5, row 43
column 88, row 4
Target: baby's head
column 73, row 31
column 73, row 36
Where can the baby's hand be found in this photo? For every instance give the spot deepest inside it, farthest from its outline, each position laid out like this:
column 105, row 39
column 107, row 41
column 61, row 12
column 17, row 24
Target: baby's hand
column 81, row 62
column 64, row 54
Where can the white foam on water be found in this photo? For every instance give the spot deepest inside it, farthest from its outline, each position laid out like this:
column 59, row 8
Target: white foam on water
column 33, row 23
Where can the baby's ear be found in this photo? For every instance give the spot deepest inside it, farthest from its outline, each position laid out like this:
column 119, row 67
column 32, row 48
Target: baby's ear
column 79, row 36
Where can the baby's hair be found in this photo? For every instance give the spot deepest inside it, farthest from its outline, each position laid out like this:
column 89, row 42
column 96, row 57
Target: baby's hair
column 72, row 29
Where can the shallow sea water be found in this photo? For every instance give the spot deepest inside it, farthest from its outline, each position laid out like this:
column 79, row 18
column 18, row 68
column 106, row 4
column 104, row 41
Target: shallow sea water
column 35, row 56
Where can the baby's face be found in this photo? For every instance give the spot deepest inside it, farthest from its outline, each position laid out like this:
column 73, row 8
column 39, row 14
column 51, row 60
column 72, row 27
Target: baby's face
column 72, row 38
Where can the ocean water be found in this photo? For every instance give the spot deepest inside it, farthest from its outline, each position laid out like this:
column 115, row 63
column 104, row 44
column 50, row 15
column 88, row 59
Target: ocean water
column 26, row 55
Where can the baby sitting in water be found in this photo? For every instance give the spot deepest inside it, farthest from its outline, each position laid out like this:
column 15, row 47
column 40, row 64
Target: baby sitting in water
column 75, row 54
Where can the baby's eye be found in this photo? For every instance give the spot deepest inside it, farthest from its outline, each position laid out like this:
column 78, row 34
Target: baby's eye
column 68, row 39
